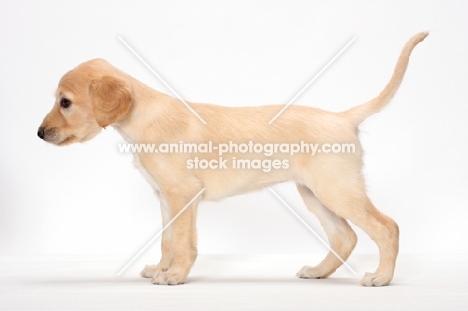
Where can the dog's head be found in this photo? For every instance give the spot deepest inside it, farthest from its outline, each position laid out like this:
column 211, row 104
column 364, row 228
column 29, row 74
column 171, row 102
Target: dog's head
column 88, row 98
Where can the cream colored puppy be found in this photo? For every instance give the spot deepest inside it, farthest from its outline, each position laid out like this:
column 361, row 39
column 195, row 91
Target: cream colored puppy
column 95, row 95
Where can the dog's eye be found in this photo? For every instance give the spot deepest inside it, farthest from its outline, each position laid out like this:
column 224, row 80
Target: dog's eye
column 65, row 102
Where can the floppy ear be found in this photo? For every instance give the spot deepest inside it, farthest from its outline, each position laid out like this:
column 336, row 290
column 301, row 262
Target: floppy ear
column 111, row 99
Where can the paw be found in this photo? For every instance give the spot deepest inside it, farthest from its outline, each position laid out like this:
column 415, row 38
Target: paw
column 172, row 276
column 150, row 270
column 308, row 272
column 375, row 279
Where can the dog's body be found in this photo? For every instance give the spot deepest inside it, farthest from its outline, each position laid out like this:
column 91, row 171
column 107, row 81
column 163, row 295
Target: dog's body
column 95, row 95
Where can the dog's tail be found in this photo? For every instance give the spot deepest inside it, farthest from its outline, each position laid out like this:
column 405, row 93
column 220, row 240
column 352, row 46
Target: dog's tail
column 359, row 113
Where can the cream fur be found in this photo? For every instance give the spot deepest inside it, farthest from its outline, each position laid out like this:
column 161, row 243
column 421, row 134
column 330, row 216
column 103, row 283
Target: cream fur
column 331, row 185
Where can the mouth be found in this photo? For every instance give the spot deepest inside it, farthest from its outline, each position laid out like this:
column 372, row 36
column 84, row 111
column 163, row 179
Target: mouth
column 66, row 141
column 52, row 136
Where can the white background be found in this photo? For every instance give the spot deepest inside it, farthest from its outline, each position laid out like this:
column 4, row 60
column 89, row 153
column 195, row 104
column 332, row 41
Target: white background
column 89, row 199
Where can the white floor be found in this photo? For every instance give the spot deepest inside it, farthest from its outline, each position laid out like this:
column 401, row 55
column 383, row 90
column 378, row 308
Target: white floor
column 219, row 282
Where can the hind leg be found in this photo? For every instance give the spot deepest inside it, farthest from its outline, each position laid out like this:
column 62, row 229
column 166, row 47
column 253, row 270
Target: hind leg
column 385, row 233
column 341, row 237
column 344, row 194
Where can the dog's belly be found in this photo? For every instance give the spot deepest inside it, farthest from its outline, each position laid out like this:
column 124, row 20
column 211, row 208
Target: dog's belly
column 223, row 182
column 226, row 184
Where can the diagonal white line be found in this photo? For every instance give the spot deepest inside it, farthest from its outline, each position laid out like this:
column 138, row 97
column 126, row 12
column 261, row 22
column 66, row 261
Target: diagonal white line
column 310, row 229
column 313, row 79
column 160, row 232
column 161, row 79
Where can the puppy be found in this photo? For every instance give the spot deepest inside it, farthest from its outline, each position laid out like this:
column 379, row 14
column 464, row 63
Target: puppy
column 95, row 95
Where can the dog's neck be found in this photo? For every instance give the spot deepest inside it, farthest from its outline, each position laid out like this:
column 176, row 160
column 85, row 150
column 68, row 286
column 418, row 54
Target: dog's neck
column 153, row 115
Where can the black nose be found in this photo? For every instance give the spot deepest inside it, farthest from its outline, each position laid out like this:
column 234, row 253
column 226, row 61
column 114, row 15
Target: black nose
column 40, row 133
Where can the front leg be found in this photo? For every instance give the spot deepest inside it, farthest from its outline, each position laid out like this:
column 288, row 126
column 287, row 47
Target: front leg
column 165, row 263
column 182, row 239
